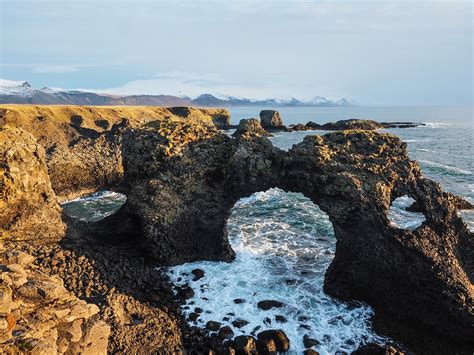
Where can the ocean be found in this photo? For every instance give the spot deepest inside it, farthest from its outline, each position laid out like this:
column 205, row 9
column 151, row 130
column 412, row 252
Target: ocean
column 284, row 243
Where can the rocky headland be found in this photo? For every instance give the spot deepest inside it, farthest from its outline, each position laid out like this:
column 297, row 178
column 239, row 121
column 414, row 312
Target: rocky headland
column 182, row 175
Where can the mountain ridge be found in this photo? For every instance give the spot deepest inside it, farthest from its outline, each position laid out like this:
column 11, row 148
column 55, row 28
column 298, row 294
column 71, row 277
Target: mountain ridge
column 21, row 92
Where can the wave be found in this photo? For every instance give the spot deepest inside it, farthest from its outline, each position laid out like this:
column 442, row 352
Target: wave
column 445, row 167
column 284, row 244
column 436, row 124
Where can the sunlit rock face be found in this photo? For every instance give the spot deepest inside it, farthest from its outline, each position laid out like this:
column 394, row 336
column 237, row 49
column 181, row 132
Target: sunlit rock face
column 353, row 176
column 29, row 209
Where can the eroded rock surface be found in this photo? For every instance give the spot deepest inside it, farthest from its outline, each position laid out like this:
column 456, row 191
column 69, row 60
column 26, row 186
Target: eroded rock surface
column 271, row 120
column 29, row 208
column 182, row 177
column 83, row 144
column 39, row 316
column 419, row 282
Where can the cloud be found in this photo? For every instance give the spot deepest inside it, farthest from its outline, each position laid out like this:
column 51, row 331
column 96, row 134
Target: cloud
column 194, row 84
column 54, row 69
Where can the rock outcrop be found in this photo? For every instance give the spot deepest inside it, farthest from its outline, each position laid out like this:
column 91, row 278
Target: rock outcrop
column 182, row 176
column 250, row 127
column 39, row 316
column 29, row 209
column 419, row 282
column 352, row 124
column 271, row 120
column 83, row 144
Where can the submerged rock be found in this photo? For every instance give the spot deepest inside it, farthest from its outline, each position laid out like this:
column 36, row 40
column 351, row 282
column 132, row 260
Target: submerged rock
column 268, row 304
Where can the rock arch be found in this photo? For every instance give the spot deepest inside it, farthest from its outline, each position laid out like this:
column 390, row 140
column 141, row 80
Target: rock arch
column 419, row 282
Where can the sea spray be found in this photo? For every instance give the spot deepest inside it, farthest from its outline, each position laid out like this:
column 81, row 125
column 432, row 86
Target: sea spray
column 284, row 244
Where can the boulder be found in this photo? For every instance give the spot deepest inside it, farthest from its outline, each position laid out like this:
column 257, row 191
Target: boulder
column 273, row 339
column 268, row 304
column 244, row 344
column 270, row 119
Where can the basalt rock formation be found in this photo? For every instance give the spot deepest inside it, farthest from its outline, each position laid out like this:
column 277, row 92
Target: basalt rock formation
column 182, row 176
column 29, row 209
column 352, row 124
column 83, row 144
column 419, row 282
column 271, row 120
column 250, row 127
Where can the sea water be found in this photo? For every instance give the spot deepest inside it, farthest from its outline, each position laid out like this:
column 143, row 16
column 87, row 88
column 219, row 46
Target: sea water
column 284, row 243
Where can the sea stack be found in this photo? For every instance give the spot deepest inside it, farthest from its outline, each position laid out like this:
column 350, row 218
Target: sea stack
column 271, row 119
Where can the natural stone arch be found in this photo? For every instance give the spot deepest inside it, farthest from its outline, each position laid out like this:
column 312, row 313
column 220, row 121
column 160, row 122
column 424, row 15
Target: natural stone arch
column 183, row 194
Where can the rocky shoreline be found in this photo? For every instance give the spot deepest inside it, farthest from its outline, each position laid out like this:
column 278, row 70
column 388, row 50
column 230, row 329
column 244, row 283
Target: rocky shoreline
column 178, row 161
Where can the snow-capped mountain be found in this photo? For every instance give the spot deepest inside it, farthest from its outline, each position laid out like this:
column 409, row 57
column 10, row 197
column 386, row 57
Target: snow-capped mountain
column 15, row 88
column 21, row 92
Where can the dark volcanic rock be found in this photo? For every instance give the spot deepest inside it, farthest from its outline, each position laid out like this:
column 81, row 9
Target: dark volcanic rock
column 226, row 333
column 352, row 124
column 198, row 274
column 268, row 339
column 184, row 179
column 244, row 344
column 239, row 323
column 376, row 349
column 213, row 326
column 271, row 120
column 310, row 342
column 250, row 128
column 268, row 304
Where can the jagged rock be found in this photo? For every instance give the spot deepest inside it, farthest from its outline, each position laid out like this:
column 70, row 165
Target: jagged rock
column 83, row 144
column 29, row 209
column 351, row 124
column 250, row 128
column 244, row 344
column 50, row 320
column 353, row 176
column 270, row 119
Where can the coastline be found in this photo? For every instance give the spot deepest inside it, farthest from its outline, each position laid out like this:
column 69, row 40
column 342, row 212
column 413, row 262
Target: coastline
column 129, row 291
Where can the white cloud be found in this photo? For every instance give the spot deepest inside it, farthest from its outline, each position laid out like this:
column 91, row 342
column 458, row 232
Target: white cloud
column 54, row 69
column 193, row 84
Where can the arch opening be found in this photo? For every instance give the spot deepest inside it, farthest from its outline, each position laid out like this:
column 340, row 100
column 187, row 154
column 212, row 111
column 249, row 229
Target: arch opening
column 94, row 207
column 403, row 213
column 284, row 243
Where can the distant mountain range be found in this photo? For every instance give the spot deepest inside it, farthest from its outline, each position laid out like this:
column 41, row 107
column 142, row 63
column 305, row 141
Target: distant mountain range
column 21, row 92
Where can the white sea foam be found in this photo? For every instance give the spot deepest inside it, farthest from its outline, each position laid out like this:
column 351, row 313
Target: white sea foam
column 401, row 218
column 436, row 124
column 283, row 244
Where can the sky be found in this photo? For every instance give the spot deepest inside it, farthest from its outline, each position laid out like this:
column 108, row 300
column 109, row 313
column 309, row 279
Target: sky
column 370, row 52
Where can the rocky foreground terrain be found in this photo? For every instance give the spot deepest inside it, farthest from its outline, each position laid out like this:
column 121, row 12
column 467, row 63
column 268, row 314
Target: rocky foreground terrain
column 73, row 287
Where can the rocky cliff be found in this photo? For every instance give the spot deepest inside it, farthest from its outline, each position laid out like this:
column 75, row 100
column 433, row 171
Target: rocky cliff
column 182, row 176
column 29, row 209
column 83, row 144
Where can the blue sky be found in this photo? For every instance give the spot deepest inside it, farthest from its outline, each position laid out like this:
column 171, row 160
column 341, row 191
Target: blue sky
column 372, row 52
